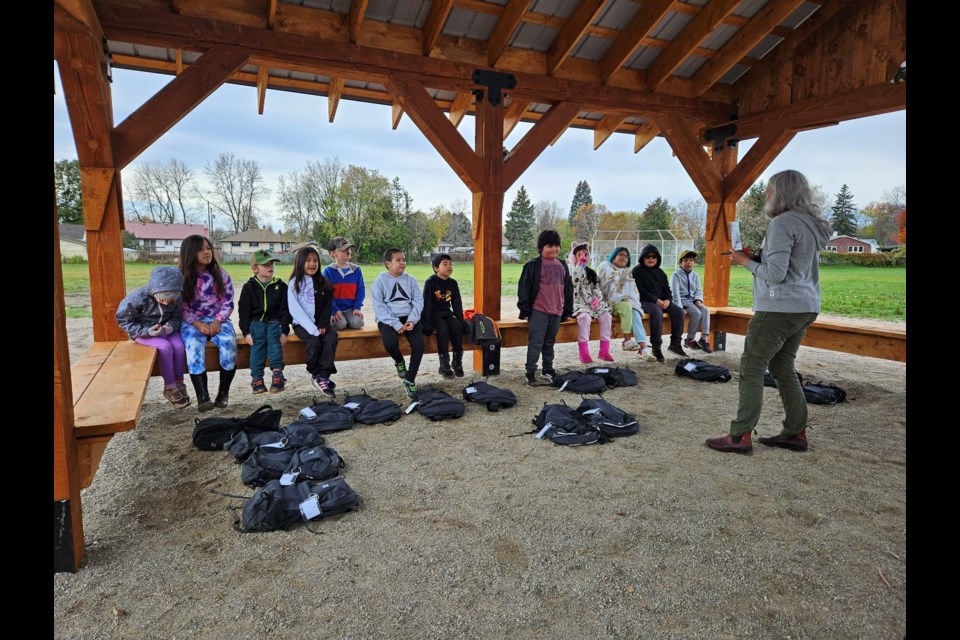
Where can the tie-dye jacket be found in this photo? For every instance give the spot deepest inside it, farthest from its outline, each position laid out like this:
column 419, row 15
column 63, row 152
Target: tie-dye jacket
column 207, row 305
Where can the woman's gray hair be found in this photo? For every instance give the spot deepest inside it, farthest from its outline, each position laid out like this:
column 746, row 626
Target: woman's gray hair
column 790, row 191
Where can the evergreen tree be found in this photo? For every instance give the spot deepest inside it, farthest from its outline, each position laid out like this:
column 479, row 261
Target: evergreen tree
column 581, row 197
column 844, row 220
column 519, row 227
column 66, row 179
column 657, row 215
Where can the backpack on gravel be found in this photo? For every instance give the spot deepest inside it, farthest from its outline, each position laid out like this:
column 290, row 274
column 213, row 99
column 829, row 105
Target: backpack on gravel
column 276, row 507
column 615, row 376
column 580, row 382
column 495, row 398
column 823, row 393
column 439, row 405
column 213, row 433
column 369, row 410
column 702, row 371
column 611, row 420
column 326, row 417
column 564, row 426
column 293, row 436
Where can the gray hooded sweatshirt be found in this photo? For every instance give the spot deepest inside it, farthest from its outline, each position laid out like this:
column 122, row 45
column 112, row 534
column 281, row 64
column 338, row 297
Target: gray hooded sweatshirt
column 139, row 310
column 788, row 278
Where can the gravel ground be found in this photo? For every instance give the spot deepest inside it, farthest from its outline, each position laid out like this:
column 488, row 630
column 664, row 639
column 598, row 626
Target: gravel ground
column 464, row 532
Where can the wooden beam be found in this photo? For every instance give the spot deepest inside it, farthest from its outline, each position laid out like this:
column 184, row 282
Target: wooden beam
column 748, row 37
column 438, row 130
column 513, row 115
column 333, row 96
column 488, row 209
column 461, row 104
column 716, row 270
column 439, row 10
column 357, row 10
column 507, row 23
column 396, row 113
column 571, row 32
column 95, row 184
column 179, row 61
column 686, row 144
column 271, row 13
column 174, row 101
column 644, row 134
column 627, row 42
column 764, row 151
column 82, row 13
column 689, row 39
column 546, row 131
column 606, row 127
column 262, row 73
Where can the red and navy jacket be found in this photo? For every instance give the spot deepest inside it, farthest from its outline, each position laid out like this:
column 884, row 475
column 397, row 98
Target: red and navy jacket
column 348, row 289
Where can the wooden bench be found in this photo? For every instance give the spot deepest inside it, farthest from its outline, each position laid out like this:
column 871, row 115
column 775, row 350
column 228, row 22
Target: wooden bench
column 109, row 383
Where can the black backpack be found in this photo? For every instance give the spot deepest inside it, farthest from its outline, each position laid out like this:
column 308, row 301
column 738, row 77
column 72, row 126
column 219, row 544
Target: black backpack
column 563, row 426
column 823, row 393
column 615, row 376
column 368, row 410
column 481, row 330
column 580, row 382
column 702, row 371
column 495, row 398
column 275, row 507
column 611, row 420
column 265, row 464
column 331, row 417
column 293, row 436
column 213, row 433
column 439, row 405
column 313, row 463
column 770, row 381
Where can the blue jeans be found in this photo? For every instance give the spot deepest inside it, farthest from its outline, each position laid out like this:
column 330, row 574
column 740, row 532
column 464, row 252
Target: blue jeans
column 266, row 344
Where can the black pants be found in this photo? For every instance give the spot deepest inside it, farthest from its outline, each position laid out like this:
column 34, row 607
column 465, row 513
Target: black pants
column 321, row 351
column 656, row 322
column 391, row 342
column 449, row 332
column 542, row 331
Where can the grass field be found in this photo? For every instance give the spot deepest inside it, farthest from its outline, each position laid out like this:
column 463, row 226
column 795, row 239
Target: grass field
column 860, row 292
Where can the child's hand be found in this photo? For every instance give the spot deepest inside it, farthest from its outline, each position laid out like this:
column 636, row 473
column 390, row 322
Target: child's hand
column 167, row 330
column 248, row 339
column 215, row 327
column 201, row 327
column 155, row 330
column 663, row 304
column 338, row 316
column 283, row 339
column 699, row 303
column 357, row 313
column 408, row 326
column 402, row 328
column 594, row 303
column 321, row 331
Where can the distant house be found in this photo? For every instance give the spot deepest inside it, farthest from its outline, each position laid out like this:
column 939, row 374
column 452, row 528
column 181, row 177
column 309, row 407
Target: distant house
column 253, row 239
column 164, row 237
column 849, row 244
column 72, row 248
column 73, row 232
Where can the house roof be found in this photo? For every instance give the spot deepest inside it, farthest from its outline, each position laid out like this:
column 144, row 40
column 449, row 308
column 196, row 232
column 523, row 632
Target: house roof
column 154, row 231
column 255, row 235
column 870, row 242
column 72, row 231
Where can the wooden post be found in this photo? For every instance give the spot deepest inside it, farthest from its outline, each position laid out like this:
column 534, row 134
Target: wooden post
column 67, row 515
column 716, row 270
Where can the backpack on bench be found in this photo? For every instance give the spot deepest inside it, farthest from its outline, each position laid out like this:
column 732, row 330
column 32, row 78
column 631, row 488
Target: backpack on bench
column 213, row 433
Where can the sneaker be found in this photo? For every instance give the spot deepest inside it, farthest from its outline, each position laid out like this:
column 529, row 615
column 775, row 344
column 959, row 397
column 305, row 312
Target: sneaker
column 705, row 345
column 630, row 345
column 401, row 369
column 658, row 354
column 677, row 349
column 277, row 384
column 531, row 377
column 258, row 386
column 691, row 344
column 549, row 375
column 410, row 388
column 182, row 388
column 175, row 398
column 646, row 355
column 793, row 443
column 323, row 386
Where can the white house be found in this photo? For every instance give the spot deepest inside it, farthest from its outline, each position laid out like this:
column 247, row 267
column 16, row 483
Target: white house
column 164, row 237
column 253, row 239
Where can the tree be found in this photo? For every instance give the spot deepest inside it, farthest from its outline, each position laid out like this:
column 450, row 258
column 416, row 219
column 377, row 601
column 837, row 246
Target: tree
column 843, row 219
column 902, row 225
column 163, row 192
column 519, row 227
column 691, row 221
column 312, row 197
column 546, row 215
column 401, row 198
column 66, row 181
column 129, row 240
column 881, row 217
column 421, row 236
column 581, row 197
column 657, row 216
column 620, row 221
column 753, row 221
column 587, row 221
column 236, row 189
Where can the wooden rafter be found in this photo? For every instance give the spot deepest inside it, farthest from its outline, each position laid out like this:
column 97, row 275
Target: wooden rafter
column 644, row 134
column 87, row 94
column 507, row 23
column 441, row 133
column 179, row 61
column 396, row 112
column 574, row 28
column 333, row 96
column 606, row 128
column 627, row 42
column 764, row 151
column 439, row 10
column 79, row 12
column 271, row 13
column 174, row 101
column 461, row 104
column 684, row 140
column 513, row 114
column 546, row 131
column 263, row 73
column 688, row 40
column 355, row 19
column 96, row 183
column 772, row 14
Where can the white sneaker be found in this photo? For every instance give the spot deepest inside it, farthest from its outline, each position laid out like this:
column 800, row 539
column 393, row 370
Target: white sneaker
column 630, row 345
column 646, row 355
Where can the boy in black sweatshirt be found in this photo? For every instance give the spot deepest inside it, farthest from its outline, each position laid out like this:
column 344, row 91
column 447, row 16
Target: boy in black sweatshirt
column 443, row 313
column 264, row 320
column 656, row 299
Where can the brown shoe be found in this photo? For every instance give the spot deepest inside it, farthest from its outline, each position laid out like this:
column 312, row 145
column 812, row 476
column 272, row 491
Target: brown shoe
column 177, row 400
column 736, row 444
column 794, row 443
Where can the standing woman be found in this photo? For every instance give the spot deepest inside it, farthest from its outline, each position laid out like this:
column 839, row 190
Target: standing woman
column 786, row 300
column 207, row 305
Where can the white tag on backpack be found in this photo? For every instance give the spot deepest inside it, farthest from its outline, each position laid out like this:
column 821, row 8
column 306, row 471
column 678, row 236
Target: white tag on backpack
column 690, row 367
column 413, row 405
column 564, row 385
column 470, row 390
column 351, row 405
column 289, row 477
column 543, row 431
column 592, row 411
column 310, row 508
column 308, row 413
column 275, row 445
column 601, row 370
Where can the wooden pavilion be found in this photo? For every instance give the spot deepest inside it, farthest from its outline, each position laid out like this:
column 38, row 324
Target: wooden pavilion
column 705, row 74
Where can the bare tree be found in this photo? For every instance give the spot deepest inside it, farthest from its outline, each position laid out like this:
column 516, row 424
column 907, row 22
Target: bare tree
column 587, row 220
column 312, row 196
column 691, row 220
column 236, row 188
column 546, row 215
column 163, row 192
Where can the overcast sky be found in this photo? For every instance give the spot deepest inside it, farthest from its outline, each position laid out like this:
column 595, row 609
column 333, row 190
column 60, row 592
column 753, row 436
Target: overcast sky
column 868, row 154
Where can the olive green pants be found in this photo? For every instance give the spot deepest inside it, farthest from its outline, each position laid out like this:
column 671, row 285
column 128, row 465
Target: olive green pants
column 772, row 342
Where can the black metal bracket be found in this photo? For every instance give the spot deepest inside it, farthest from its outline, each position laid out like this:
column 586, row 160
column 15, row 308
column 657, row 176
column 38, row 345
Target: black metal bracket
column 720, row 135
column 495, row 81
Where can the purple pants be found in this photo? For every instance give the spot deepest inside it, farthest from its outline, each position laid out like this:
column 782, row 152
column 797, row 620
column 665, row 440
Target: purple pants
column 171, row 357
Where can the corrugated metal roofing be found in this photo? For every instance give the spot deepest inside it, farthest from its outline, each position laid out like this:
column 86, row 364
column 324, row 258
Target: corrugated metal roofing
column 762, row 49
column 634, row 120
column 559, row 8
column 407, row 13
column 339, row 6
column 462, row 23
column 734, row 74
column 439, row 94
column 533, row 36
column 749, row 8
column 617, row 13
column 803, row 12
column 719, row 36
column 590, row 115
column 689, row 66
column 643, row 57
column 591, row 48
column 696, row 3
column 670, row 26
